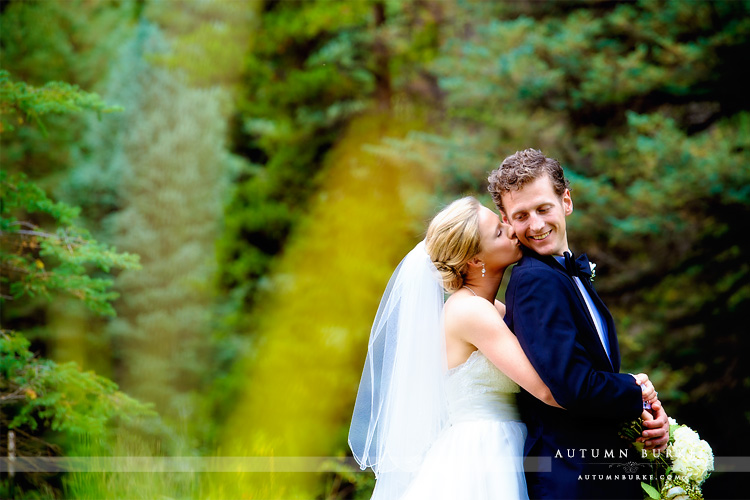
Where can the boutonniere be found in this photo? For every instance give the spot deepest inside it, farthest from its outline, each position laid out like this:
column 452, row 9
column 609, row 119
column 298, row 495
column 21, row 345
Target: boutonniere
column 593, row 270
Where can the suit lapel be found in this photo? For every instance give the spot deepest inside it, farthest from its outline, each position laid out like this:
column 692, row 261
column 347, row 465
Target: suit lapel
column 614, row 362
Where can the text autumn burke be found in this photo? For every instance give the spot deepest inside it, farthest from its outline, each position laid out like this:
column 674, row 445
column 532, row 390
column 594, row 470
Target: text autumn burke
column 622, row 453
column 592, row 453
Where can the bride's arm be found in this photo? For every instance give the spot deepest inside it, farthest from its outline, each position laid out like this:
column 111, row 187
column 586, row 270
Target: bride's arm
column 478, row 322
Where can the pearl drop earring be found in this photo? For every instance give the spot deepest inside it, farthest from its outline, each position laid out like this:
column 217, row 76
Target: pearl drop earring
column 484, row 271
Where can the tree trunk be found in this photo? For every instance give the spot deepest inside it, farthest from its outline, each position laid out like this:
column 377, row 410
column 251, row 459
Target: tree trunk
column 383, row 90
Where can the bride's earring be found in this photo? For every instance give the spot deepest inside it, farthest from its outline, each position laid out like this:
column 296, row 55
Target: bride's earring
column 484, row 271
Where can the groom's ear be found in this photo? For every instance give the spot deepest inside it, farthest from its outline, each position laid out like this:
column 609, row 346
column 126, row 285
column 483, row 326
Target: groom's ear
column 567, row 203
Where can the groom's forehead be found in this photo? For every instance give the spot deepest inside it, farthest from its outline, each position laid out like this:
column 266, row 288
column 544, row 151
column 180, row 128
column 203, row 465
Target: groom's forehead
column 537, row 191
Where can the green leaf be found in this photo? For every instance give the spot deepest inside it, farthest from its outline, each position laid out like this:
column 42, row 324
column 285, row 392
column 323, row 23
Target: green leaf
column 650, row 491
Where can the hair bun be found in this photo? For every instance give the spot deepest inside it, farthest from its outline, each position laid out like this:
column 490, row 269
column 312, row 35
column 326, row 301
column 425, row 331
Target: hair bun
column 452, row 239
column 445, row 267
column 452, row 277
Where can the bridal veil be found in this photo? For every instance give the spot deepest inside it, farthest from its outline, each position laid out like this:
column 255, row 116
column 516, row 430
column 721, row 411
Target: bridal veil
column 401, row 405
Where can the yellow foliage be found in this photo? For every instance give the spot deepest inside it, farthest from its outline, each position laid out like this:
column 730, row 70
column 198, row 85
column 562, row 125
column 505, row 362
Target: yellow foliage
column 315, row 316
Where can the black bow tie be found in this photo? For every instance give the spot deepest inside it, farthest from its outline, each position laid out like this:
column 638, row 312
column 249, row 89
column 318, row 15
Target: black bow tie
column 579, row 267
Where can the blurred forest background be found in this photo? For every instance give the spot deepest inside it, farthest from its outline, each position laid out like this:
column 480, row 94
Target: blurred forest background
column 202, row 202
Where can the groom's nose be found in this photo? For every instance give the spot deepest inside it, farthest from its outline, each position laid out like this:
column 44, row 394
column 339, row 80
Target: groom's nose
column 535, row 223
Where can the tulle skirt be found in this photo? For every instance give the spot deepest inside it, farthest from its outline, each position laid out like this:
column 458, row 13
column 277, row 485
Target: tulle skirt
column 473, row 460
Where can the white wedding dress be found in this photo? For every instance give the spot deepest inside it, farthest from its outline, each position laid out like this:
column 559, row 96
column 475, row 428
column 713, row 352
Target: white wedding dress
column 429, row 434
column 479, row 455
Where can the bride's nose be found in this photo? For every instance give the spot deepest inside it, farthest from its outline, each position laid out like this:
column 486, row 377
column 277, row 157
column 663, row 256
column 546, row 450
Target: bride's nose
column 510, row 231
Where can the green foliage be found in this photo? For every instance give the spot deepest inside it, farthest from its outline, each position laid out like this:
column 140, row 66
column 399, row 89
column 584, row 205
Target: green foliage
column 172, row 171
column 36, row 262
column 68, row 41
column 130, row 466
column 45, row 253
column 290, row 112
column 312, row 67
column 349, row 480
column 93, row 182
column 20, row 194
column 18, row 98
column 59, row 396
column 676, row 259
column 593, row 64
column 209, row 40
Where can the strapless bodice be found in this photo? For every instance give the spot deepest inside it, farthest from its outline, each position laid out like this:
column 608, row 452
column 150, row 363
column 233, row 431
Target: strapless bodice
column 478, row 390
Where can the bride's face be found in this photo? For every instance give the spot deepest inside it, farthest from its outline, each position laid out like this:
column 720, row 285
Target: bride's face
column 500, row 246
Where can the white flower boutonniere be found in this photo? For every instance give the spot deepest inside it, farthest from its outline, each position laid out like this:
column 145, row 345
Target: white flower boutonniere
column 593, row 270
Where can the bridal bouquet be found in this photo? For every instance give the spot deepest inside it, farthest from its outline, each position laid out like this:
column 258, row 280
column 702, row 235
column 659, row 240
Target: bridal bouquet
column 681, row 469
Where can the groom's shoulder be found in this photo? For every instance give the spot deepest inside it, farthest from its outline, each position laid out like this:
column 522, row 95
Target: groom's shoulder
column 535, row 268
column 533, row 263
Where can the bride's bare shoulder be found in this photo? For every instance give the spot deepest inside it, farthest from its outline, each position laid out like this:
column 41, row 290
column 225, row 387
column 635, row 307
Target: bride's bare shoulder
column 465, row 308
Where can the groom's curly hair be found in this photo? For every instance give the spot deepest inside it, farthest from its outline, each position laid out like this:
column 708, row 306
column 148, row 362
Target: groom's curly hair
column 521, row 168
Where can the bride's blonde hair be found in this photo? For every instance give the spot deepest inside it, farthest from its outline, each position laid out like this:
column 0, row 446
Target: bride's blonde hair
column 453, row 239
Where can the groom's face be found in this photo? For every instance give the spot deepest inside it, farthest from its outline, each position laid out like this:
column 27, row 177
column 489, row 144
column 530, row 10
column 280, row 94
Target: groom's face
column 537, row 215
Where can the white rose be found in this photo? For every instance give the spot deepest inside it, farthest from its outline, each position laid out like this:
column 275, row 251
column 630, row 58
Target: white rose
column 691, row 456
column 686, row 435
column 677, row 493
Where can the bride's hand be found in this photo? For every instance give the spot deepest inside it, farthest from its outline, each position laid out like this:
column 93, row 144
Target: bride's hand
column 648, row 392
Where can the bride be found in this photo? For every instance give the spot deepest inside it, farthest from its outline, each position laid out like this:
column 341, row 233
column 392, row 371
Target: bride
column 435, row 415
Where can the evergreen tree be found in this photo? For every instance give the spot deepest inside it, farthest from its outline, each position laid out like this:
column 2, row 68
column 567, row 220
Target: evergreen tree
column 72, row 42
column 100, row 159
column 204, row 42
column 44, row 253
column 170, row 201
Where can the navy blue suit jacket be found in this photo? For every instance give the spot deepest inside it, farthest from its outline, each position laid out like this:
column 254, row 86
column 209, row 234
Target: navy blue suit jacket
column 546, row 311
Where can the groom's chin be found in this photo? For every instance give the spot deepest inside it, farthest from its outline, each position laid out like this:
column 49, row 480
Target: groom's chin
column 539, row 249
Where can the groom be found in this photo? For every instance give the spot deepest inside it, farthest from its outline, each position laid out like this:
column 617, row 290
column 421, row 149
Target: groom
column 569, row 336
